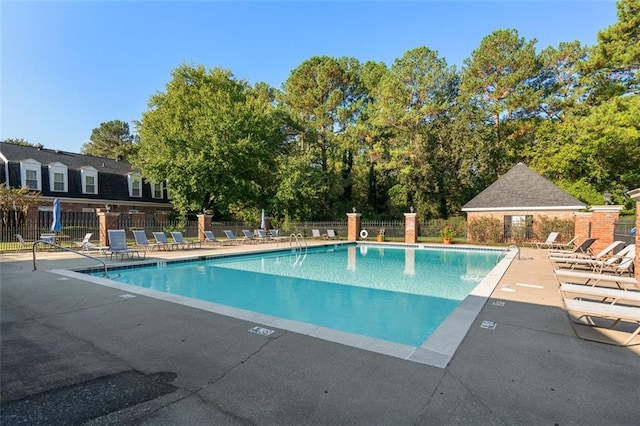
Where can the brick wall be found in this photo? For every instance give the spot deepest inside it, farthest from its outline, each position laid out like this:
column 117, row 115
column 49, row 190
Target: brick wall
column 635, row 194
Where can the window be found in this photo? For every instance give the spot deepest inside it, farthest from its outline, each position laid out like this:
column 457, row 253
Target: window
column 518, row 227
column 58, row 182
column 32, row 179
column 90, row 184
column 135, row 185
column 30, row 174
column 58, row 177
column 156, row 190
column 89, row 180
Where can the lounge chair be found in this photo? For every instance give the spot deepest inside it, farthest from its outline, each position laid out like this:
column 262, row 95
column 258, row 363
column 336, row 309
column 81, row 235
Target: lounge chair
column 88, row 247
column 263, row 236
column 331, row 234
column 603, row 294
column 178, row 238
column 248, row 236
column 22, row 244
column 548, row 243
column 602, row 315
column 161, row 238
column 595, row 279
column 209, row 237
column 584, row 248
column 574, row 260
column 315, row 234
column 619, row 264
column 141, row 241
column 85, row 240
column 231, row 238
column 118, row 245
column 569, row 245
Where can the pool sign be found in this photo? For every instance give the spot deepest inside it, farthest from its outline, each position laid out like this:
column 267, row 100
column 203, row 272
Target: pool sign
column 261, row 331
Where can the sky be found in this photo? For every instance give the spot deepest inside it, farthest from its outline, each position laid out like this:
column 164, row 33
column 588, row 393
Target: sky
column 67, row 66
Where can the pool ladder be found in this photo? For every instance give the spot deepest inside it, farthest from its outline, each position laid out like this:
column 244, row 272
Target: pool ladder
column 300, row 247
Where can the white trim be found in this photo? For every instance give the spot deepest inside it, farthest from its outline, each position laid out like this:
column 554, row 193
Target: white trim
column 153, row 190
column 6, row 170
column 31, row 164
column 102, row 201
column 85, row 172
column 504, row 209
column 606, row 208
column 131, row 178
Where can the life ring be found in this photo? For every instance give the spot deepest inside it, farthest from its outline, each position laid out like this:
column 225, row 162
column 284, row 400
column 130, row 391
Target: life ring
column 364, row 234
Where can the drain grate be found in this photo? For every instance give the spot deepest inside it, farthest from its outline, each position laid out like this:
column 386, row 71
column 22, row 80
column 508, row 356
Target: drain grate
column 261, row 331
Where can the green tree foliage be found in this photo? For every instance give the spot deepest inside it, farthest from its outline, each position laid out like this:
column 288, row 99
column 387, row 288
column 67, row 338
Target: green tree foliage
column 594, row 153
column 111, row 140
column 614, row 64
column 499, row 79
column 322, row 98
column 413, row 104
column 214, row 139
column 18, row 141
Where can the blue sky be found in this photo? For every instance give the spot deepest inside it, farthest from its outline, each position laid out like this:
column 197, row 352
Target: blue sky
column 69, row 66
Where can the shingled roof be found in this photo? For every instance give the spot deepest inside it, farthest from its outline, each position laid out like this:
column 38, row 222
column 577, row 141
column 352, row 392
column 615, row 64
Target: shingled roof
column 523, row 189
column 17, row 153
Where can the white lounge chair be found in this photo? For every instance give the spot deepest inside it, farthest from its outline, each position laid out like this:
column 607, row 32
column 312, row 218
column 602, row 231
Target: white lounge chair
column 331, row 234
column 22, row 244
column 574, row 260
column 584, row 248
column 604, row 294
column 315, row 234
column 594, row 279
column 178, row 238
column 548, row 243
column 595, row 312
column 118, row 245
column 85, row 240
column 618, row 264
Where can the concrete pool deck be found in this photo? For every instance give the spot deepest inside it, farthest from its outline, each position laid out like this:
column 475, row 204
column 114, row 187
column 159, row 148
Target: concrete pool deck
column 77, row 353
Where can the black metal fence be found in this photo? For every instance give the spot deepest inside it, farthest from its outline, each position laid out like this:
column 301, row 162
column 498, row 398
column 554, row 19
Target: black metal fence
column 625, row 230
column 77, row 224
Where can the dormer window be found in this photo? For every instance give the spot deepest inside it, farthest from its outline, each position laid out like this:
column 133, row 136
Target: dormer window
column 156, row 190
column 58, row 181
column 30, row 175
column 89, row 177
column 135, row 185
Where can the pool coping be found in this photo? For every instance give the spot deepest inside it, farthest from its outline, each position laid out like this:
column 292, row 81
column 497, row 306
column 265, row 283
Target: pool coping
column 436, row 351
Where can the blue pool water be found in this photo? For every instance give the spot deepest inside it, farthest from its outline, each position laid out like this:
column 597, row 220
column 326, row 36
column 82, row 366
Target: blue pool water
column 395, row 294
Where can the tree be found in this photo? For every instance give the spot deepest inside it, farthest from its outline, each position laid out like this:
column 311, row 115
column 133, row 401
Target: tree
column 413, row 103
column 499, row 79
column 16, row 200
column 111, row 140
column 322, row 97
column 214, row 140
column 614, row 63
column 18, row 141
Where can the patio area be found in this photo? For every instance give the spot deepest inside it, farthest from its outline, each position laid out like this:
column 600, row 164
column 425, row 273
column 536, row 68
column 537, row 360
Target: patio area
column 77, row 353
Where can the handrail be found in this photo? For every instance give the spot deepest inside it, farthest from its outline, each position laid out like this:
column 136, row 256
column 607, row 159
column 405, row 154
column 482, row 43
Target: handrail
column 66, row 249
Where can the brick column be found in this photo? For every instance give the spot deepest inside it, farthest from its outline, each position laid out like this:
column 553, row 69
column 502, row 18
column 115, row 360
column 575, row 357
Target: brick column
column 106, row 221
column 204, row 224
column 582, row 226
column 410, row 227
column 353, row 226
column 635, row 194
column 603, row 223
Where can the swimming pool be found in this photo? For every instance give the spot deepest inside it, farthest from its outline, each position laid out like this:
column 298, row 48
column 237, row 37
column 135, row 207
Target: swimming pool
column 397, row 294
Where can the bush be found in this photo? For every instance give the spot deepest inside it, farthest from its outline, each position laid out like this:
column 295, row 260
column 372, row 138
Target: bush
column 485, row 230
column 546, row 225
